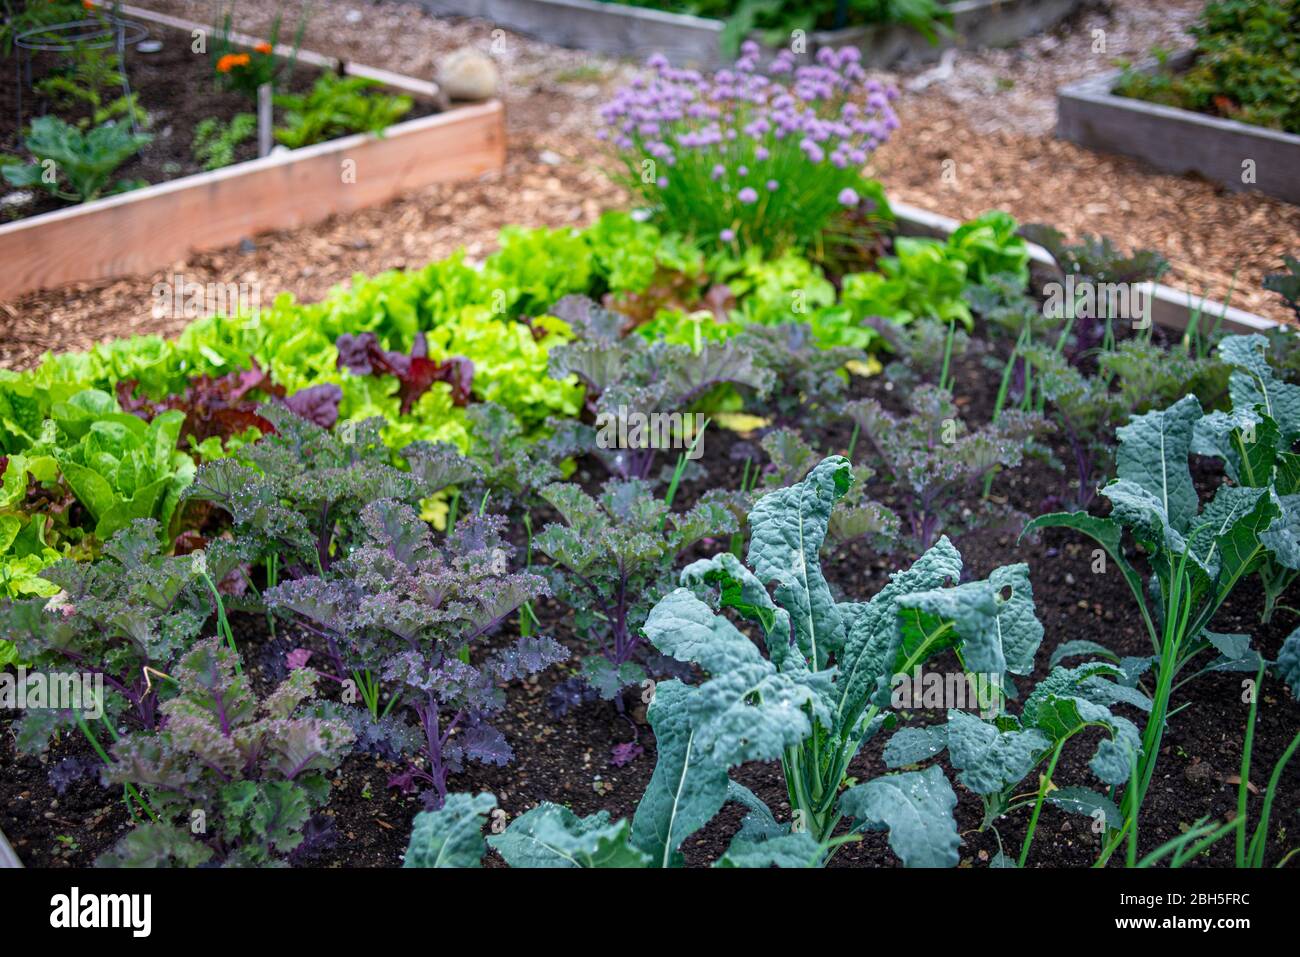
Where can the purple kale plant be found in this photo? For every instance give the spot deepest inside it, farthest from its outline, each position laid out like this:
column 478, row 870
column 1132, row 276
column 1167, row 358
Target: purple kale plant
column 933, row 459
column 413, row 614
column 611, row 558
column 630, row 381
column 228, row 779
column 295, row 495
column 747, row 157
column 124, row 619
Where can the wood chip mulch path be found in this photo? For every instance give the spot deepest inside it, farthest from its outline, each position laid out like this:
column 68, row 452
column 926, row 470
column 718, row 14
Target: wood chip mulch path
column 989, row 112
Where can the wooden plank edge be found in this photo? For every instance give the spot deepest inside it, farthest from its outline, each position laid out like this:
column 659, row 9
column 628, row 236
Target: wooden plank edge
column 412, row 86
column 1170, row 307
column 460, row 116
column 483, row 120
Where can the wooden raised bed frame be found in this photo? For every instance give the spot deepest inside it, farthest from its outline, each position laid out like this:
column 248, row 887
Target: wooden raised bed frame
column 143, row 230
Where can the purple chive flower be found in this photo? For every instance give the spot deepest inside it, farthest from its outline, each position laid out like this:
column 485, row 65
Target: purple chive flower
column 719, row 171
column 727, row 235
column 749, row 195
column 773, row 186
column 662, row 183
column 848, row 197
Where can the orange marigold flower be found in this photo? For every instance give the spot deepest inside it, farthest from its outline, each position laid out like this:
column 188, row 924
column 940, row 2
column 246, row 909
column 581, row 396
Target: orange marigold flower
column 87, row 4
column 263, row 47
column 230, row 61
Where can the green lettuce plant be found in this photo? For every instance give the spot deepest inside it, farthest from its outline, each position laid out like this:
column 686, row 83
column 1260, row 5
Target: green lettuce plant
column 119, row 467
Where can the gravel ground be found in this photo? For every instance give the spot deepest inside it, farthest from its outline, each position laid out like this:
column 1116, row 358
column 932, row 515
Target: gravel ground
column 991, row 112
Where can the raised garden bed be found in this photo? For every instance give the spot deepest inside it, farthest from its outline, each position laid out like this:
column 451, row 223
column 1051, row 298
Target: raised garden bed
column 624, row 30
column 373, row 576
column 143, row 229
column 1236, row 155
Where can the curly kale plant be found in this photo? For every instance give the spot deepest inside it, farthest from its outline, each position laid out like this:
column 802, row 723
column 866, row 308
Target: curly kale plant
column 824, row 686
column 627, row 377
column 132, row 610
column 612, row 556
column 934, row 458
column 810, row 380
column 228, row 778
column 297, row 499
column 411, row 613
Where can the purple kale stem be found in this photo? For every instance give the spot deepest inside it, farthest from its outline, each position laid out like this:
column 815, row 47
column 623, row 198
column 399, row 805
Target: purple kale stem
column 428, row 713
column 323, row 538
column 1081, row 462
column 221, row 712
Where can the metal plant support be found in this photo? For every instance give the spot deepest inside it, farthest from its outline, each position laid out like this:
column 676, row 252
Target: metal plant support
column 73, row 35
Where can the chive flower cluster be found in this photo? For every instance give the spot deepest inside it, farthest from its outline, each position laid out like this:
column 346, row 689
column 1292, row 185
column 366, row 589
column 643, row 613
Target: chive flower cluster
column 749, row 156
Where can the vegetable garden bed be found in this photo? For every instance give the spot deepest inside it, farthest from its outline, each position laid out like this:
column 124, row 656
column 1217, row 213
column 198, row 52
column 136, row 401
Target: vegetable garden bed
column 626, row 30
column 741, row 530
column 145, row 228
column 1238, row 155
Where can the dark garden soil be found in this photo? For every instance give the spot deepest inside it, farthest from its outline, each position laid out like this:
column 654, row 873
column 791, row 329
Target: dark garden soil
column 567, row 758
column 177, row 88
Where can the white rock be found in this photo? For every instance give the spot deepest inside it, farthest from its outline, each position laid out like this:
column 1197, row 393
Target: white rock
column 468, row 74
column 19, row 197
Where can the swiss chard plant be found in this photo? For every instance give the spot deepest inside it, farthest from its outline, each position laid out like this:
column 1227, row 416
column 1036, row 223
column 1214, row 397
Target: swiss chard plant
column 228, row 779
column 1198, row 554
column 611, row 556
column 824, row 686
column 935, row 458
column 412, row 614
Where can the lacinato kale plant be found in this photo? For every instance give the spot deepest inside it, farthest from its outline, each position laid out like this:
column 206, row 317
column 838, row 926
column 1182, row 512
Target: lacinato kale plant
column 853, row 516
column 612, row 556
column 412, row 614
column 1198, row 554
column 934, row 458
column 994, row 754
column 229, row 779
column 824, row 686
